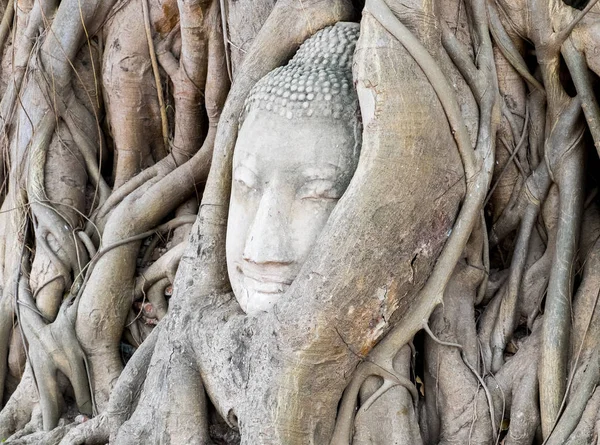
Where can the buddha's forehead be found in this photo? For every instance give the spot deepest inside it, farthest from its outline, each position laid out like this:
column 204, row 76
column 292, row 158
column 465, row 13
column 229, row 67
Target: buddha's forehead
column 268, row 142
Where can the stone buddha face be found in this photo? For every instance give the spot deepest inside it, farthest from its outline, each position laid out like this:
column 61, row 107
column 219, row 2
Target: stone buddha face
column 294, row 158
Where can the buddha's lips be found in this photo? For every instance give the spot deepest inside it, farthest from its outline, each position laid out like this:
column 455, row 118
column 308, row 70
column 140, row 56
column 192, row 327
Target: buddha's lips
column 268, row 283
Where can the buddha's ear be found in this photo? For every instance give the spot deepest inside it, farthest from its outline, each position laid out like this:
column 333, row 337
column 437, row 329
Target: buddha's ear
column 288, row 25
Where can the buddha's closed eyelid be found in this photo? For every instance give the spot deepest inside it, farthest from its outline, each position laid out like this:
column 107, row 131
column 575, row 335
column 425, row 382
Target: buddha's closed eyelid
column 245, row 177
column 319, row 189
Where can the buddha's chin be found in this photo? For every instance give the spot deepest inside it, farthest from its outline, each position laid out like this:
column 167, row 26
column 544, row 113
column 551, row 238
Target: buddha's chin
column 256, row 301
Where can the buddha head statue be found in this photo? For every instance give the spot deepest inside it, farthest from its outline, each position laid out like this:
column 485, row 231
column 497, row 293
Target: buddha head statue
column 297, row 149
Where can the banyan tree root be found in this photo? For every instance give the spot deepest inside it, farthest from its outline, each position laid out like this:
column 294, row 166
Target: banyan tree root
column 174, row 373
column 562, row 164
column 56, row 157
column 477, row 173
column 492, row 339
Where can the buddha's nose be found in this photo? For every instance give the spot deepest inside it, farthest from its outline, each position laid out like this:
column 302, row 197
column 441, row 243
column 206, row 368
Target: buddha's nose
column 268, row 241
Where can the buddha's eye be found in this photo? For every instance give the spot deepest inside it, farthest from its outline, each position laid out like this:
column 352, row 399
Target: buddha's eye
column 319, row 189
column 245, row 179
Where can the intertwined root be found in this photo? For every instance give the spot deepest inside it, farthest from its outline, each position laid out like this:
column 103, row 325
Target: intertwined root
column 387, row 378
column 54, row 347
column 55, row 153
column 63, row 314
column 544, row 254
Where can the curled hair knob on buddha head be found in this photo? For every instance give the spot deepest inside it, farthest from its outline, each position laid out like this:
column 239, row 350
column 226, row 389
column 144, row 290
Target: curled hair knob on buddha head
column 317, row 82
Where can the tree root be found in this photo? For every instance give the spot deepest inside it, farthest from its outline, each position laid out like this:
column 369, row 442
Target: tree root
column 557, row 319
column 477, row 185
column 345, row 422
column 54, row 347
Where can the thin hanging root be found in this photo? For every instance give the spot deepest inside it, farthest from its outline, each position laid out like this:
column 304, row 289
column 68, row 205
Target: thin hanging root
column 345, row 421
column 164, row 267
column 176, row 222
column 511, row 215
column 512, row 153
column 536, row 282
column 50, row 222
column 564, row 34
column 215, row 93
column 508, row 48
column 223, row 7
column 83, row 126
column 508, row 316
column 7, row 19
column 43, row 248
column 486, row 261
column 24, row 44
column 557, row 317
column 579, row 73
column 387, row 385
column 66, row 254
column 564, row 137
column 520, row 144
column 22, row 268
column 88, row 152
column 143, row 212
column 443, row 89
column 571, row 415
column 159, row 90
column 88, row 243
column 488, row 396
